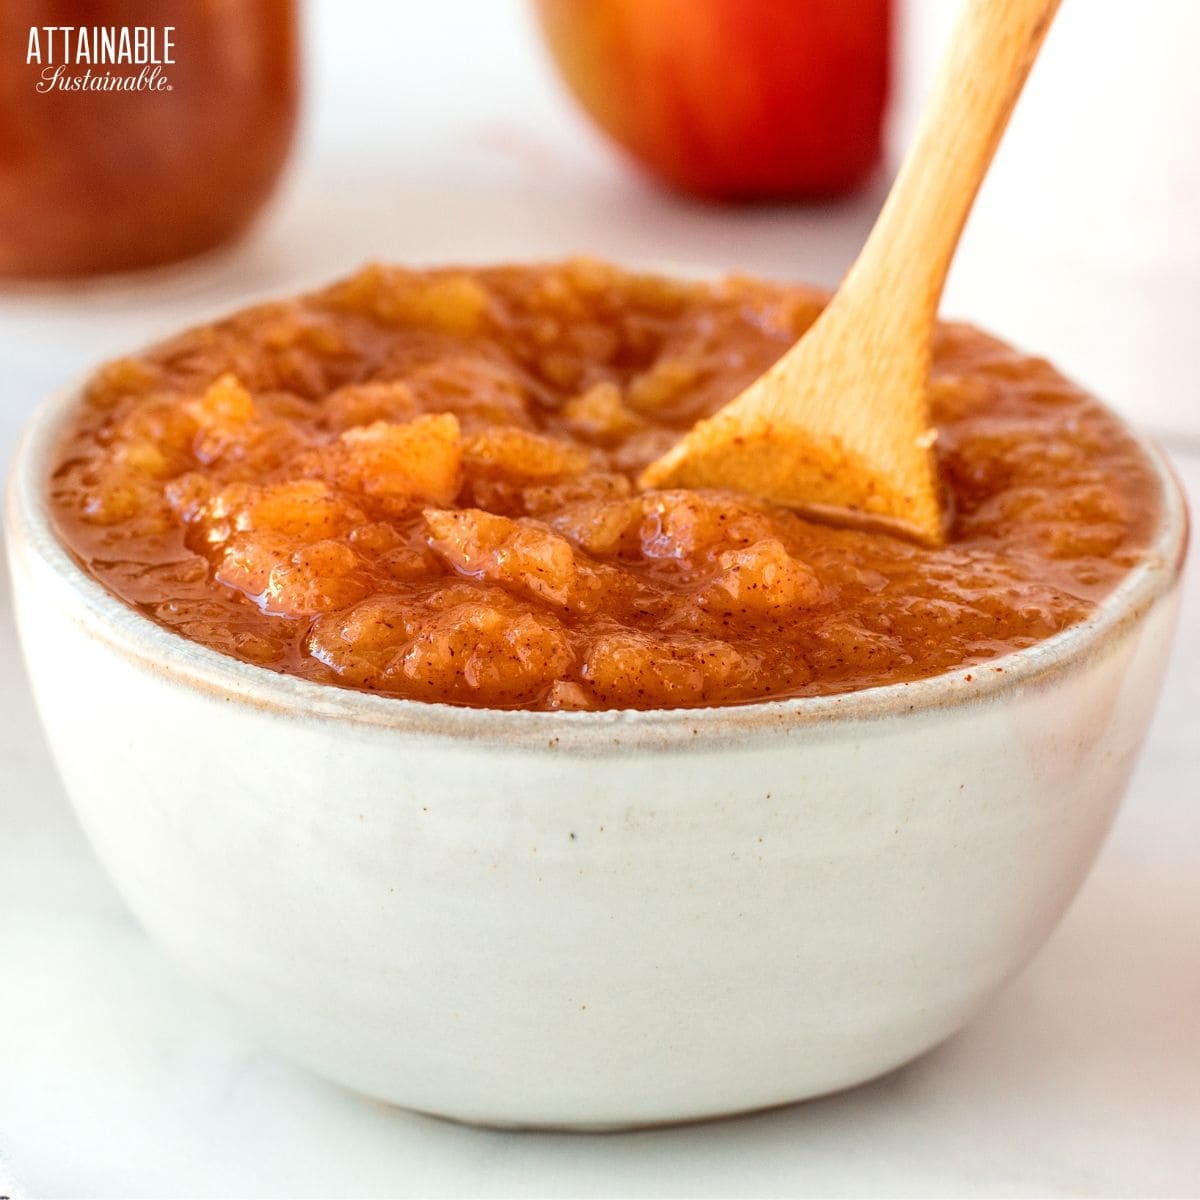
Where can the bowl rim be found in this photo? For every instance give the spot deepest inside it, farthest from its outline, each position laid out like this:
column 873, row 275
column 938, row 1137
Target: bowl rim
column 31, row 534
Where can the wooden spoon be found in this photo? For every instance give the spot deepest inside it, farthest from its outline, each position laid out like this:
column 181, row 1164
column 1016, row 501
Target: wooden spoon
column 840, row 425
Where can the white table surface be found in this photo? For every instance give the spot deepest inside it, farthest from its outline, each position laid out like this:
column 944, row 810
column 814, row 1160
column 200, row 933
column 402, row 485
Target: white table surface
column 118, row 1077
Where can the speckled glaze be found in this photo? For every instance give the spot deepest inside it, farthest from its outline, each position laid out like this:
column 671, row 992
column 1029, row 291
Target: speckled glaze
column 588, row 920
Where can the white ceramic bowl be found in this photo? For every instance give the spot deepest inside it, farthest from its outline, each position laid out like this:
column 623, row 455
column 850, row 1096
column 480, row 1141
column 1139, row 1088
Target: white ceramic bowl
column 588, row 920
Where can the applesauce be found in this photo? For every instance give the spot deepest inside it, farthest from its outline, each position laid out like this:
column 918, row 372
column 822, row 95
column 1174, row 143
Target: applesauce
column 423, row 484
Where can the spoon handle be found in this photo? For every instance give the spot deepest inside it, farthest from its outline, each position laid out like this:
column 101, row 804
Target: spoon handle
column 991, row 50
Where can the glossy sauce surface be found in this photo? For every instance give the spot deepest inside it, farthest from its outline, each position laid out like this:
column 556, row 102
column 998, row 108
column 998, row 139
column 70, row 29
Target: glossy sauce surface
column 422, row 484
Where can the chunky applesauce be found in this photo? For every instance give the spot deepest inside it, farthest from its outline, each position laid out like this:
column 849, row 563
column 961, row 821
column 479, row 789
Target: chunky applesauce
column 422, row 484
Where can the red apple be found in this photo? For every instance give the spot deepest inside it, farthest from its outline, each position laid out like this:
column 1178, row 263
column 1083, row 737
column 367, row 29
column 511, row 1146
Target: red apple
column 733, row 99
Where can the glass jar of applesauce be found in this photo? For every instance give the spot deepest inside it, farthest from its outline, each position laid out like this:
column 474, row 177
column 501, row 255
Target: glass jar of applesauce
column 138, row 132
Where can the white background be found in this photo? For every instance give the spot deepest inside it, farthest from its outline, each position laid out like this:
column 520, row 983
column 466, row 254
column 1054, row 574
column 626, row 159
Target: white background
column 437, row 131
